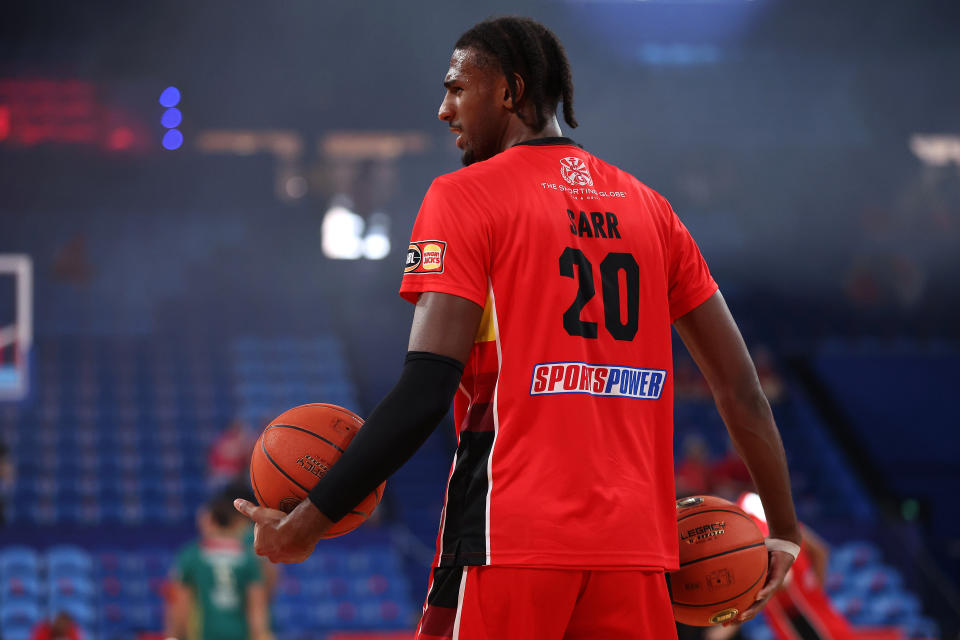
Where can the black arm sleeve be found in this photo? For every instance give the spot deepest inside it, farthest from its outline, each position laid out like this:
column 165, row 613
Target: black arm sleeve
column 396, row 428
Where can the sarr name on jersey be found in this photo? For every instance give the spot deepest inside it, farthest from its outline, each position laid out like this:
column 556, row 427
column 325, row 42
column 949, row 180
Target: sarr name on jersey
column 614, row 381
column 581, row 226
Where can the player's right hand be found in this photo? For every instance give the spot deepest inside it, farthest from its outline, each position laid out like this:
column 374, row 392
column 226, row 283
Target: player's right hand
column 283, row 537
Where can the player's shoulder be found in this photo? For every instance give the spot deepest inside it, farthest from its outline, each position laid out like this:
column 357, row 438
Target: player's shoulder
column 186, row 558
column 190, row 549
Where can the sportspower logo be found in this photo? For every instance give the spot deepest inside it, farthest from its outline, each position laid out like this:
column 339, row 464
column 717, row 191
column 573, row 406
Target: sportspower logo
column 613, row 381
column 575, row 172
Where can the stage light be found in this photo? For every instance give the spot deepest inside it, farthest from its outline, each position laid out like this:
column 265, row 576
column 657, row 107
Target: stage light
column 121, row 139
column 341, row 232
column 171, row 118
column 376, row 244
column 4, row 122
column 172, row 139
column 296, row 187
column 170, row 97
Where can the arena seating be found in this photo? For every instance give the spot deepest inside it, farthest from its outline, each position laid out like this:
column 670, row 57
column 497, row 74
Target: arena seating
column 272, row 375
column 118, row 435
column 120, row 428
column 35, row 585
column 116, row 594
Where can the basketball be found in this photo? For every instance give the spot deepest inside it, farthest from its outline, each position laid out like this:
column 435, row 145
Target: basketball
column 723, row 561
column 296, row 449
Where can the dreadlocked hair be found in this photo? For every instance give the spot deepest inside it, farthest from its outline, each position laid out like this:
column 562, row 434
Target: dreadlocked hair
column 527, row 48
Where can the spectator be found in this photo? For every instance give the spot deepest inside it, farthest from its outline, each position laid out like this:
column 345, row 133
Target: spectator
column 61, row 628
column 270, row 571
column 693, row 472
column 7, row 478
column 230, row 455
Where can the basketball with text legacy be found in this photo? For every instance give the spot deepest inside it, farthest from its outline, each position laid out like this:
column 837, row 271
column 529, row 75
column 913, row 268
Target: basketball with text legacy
column 723, row 561
column 296, row 450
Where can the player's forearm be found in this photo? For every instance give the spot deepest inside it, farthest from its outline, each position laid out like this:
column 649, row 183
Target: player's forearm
column 396, row 428
column 175, row 620
column 750, row 423
column 714, row 341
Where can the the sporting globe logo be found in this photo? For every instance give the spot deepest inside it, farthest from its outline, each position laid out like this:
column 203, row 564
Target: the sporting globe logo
column 575, row 172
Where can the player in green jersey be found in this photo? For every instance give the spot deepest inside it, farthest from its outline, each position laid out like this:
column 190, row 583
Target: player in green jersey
column 217, row 585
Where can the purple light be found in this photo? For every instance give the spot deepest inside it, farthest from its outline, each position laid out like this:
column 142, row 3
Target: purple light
column 170, row 97
column 172, row 139
column 171, row 118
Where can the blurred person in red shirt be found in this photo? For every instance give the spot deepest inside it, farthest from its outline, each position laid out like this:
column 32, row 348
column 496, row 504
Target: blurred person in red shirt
column 230, row 454
column 693, row 471
column 62, row 627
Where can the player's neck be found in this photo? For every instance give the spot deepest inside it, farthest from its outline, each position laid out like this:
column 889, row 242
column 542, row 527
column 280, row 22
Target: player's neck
column 519, row 132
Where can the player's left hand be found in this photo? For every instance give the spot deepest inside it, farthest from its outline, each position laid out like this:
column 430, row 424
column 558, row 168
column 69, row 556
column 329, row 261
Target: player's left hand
column 780, row 563
column 285, row 537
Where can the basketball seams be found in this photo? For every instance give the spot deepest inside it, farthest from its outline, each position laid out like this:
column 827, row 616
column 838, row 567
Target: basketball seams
column 256, row 490
column 714, row 510
column 263, row 448
column 307, row 431
column 722, row 553
column 724, row 601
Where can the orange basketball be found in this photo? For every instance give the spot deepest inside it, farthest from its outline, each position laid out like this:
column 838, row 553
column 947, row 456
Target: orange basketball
column 296, row 450
column 723, row 561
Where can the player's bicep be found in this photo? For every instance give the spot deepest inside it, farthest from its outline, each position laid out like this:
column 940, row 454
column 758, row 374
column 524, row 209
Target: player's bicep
column 445, row 324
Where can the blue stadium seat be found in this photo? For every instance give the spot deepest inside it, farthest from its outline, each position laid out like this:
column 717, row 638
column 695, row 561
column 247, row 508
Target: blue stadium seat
column 70, row 587
column 758, row 629
column 69, row 561
column 19, row 614
column 855, row 556
column 18, row 632
column 19, row 588
column 19, row 562
column 875, row 580
column 920, row 628
column 893, row 608
column 851, row 605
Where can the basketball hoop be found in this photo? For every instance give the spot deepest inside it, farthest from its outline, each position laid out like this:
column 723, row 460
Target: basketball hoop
column 16, row 325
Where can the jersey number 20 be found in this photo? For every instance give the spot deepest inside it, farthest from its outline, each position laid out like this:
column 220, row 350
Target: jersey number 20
column 610, row 270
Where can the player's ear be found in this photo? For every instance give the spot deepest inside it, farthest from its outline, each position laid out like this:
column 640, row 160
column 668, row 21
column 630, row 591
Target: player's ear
column 509, row 102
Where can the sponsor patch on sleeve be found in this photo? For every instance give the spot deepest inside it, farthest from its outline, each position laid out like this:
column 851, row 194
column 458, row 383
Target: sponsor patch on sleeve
column 425, row 256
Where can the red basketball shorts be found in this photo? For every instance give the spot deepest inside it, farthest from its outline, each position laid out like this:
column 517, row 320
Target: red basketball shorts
column 521, row 603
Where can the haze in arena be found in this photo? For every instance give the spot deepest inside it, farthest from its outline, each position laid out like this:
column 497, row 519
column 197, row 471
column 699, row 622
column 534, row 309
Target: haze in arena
column 207, row 211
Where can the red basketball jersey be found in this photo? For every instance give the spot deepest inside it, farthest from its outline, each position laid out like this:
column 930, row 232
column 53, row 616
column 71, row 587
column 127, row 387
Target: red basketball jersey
column 564, row 414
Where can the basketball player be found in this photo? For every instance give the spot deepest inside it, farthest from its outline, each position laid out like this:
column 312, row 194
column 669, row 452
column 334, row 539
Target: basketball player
column 217, row 589
column 546, row 282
